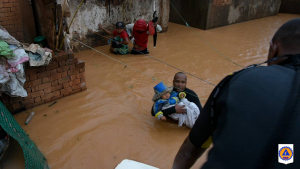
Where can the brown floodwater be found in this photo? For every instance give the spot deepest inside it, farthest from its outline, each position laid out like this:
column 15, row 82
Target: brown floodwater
column 111, row 120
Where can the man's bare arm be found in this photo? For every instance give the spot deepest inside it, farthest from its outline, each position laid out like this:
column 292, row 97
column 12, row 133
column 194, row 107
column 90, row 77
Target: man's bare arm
column 187, row 155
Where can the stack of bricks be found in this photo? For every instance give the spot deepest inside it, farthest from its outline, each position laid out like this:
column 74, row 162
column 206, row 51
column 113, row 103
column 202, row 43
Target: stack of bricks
column 11, row 18
column 65, row 75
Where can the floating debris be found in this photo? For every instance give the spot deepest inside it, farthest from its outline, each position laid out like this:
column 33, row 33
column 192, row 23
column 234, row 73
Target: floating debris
column 52, row 104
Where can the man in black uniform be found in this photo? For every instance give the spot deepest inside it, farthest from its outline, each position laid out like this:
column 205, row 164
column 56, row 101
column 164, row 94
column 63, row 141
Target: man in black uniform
column 252, row 111
column 179, row 83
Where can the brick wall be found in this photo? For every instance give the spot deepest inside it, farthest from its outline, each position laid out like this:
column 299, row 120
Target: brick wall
column 64, row 76
column 10, row 18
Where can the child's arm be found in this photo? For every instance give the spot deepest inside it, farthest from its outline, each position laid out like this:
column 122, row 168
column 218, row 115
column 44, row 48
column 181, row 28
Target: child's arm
column 158, row 107
column 107, row 31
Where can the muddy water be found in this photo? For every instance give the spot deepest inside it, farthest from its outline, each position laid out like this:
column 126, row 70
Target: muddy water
column 111, row 121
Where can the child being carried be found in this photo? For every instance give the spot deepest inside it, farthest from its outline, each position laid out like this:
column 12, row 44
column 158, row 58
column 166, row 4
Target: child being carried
column 164, row 98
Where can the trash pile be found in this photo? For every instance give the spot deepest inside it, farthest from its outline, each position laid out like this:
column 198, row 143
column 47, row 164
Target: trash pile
column 13, row 55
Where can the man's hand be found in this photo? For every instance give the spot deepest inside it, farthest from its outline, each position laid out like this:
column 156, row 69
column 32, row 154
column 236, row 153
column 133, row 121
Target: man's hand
column 180, row 109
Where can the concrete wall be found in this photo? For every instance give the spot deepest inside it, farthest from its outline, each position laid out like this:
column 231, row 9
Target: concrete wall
column 16, row 17
column 94, row 12
column 207, row 14
column 194, row 12
column 225, row 12
column 290, row 6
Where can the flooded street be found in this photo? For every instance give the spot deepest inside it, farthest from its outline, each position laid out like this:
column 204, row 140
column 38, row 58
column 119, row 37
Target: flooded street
column 111, row 120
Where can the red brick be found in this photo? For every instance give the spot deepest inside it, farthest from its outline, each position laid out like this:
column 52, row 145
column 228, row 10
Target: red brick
column 75, row 91
column 26, row 84
column 81, row 70
column 66, row 85
column 75, row 87
column 64, row 80
column 46, row 80
column 73, row 72
column 65, row 68
column 8, row 5
column 71, row 61
column 64, row 74
column 16, row 4
column 59, row 70
column 31, row 71
column 35, row 82
column 48, row 100
column 62, row 63
column 28, row 90
column 61, row 58
column 57, row 97
column 53, row 72
column 37, row 104
column 33, row 77
column 41, row 69
column 37, row 94
column 43, row 74
column 27, row 102
column 12, row 30
column 66, row 91
column 14, row 100
column 44, row 86
column 56, row 93
column 16, row 105
column 74, row 82
column 48, row 90
column 71, row 54
column 35, row 88
column 55, row 77
column 47, row 96
column 54, row 83
column 52, row 66
column 29, row 106
column 80, row 75
column 72, row 67
column 55, row 88
column 80, row 64
column 73, row 77
column 1, row 4
column 38, row 99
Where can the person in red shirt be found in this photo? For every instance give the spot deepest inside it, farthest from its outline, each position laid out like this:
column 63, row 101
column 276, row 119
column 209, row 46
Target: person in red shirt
column 121, row 39
column 141, row 32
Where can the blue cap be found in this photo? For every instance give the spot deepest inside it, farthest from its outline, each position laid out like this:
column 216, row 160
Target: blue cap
column 119, row 25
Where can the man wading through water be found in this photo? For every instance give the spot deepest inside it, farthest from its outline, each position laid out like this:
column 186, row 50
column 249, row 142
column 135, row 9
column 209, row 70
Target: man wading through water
column 179, row 83
column 252, row 111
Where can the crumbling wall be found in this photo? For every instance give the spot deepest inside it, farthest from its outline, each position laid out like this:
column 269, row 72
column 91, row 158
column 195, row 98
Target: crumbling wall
column 225, row 12
column 16, row 16
column 94, row 12
column 207, row 14
column 64, row 76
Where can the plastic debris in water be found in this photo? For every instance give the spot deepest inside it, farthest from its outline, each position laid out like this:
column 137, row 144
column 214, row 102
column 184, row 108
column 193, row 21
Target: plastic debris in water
column 131, row 86
column 29, row 117
column 45, row 114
